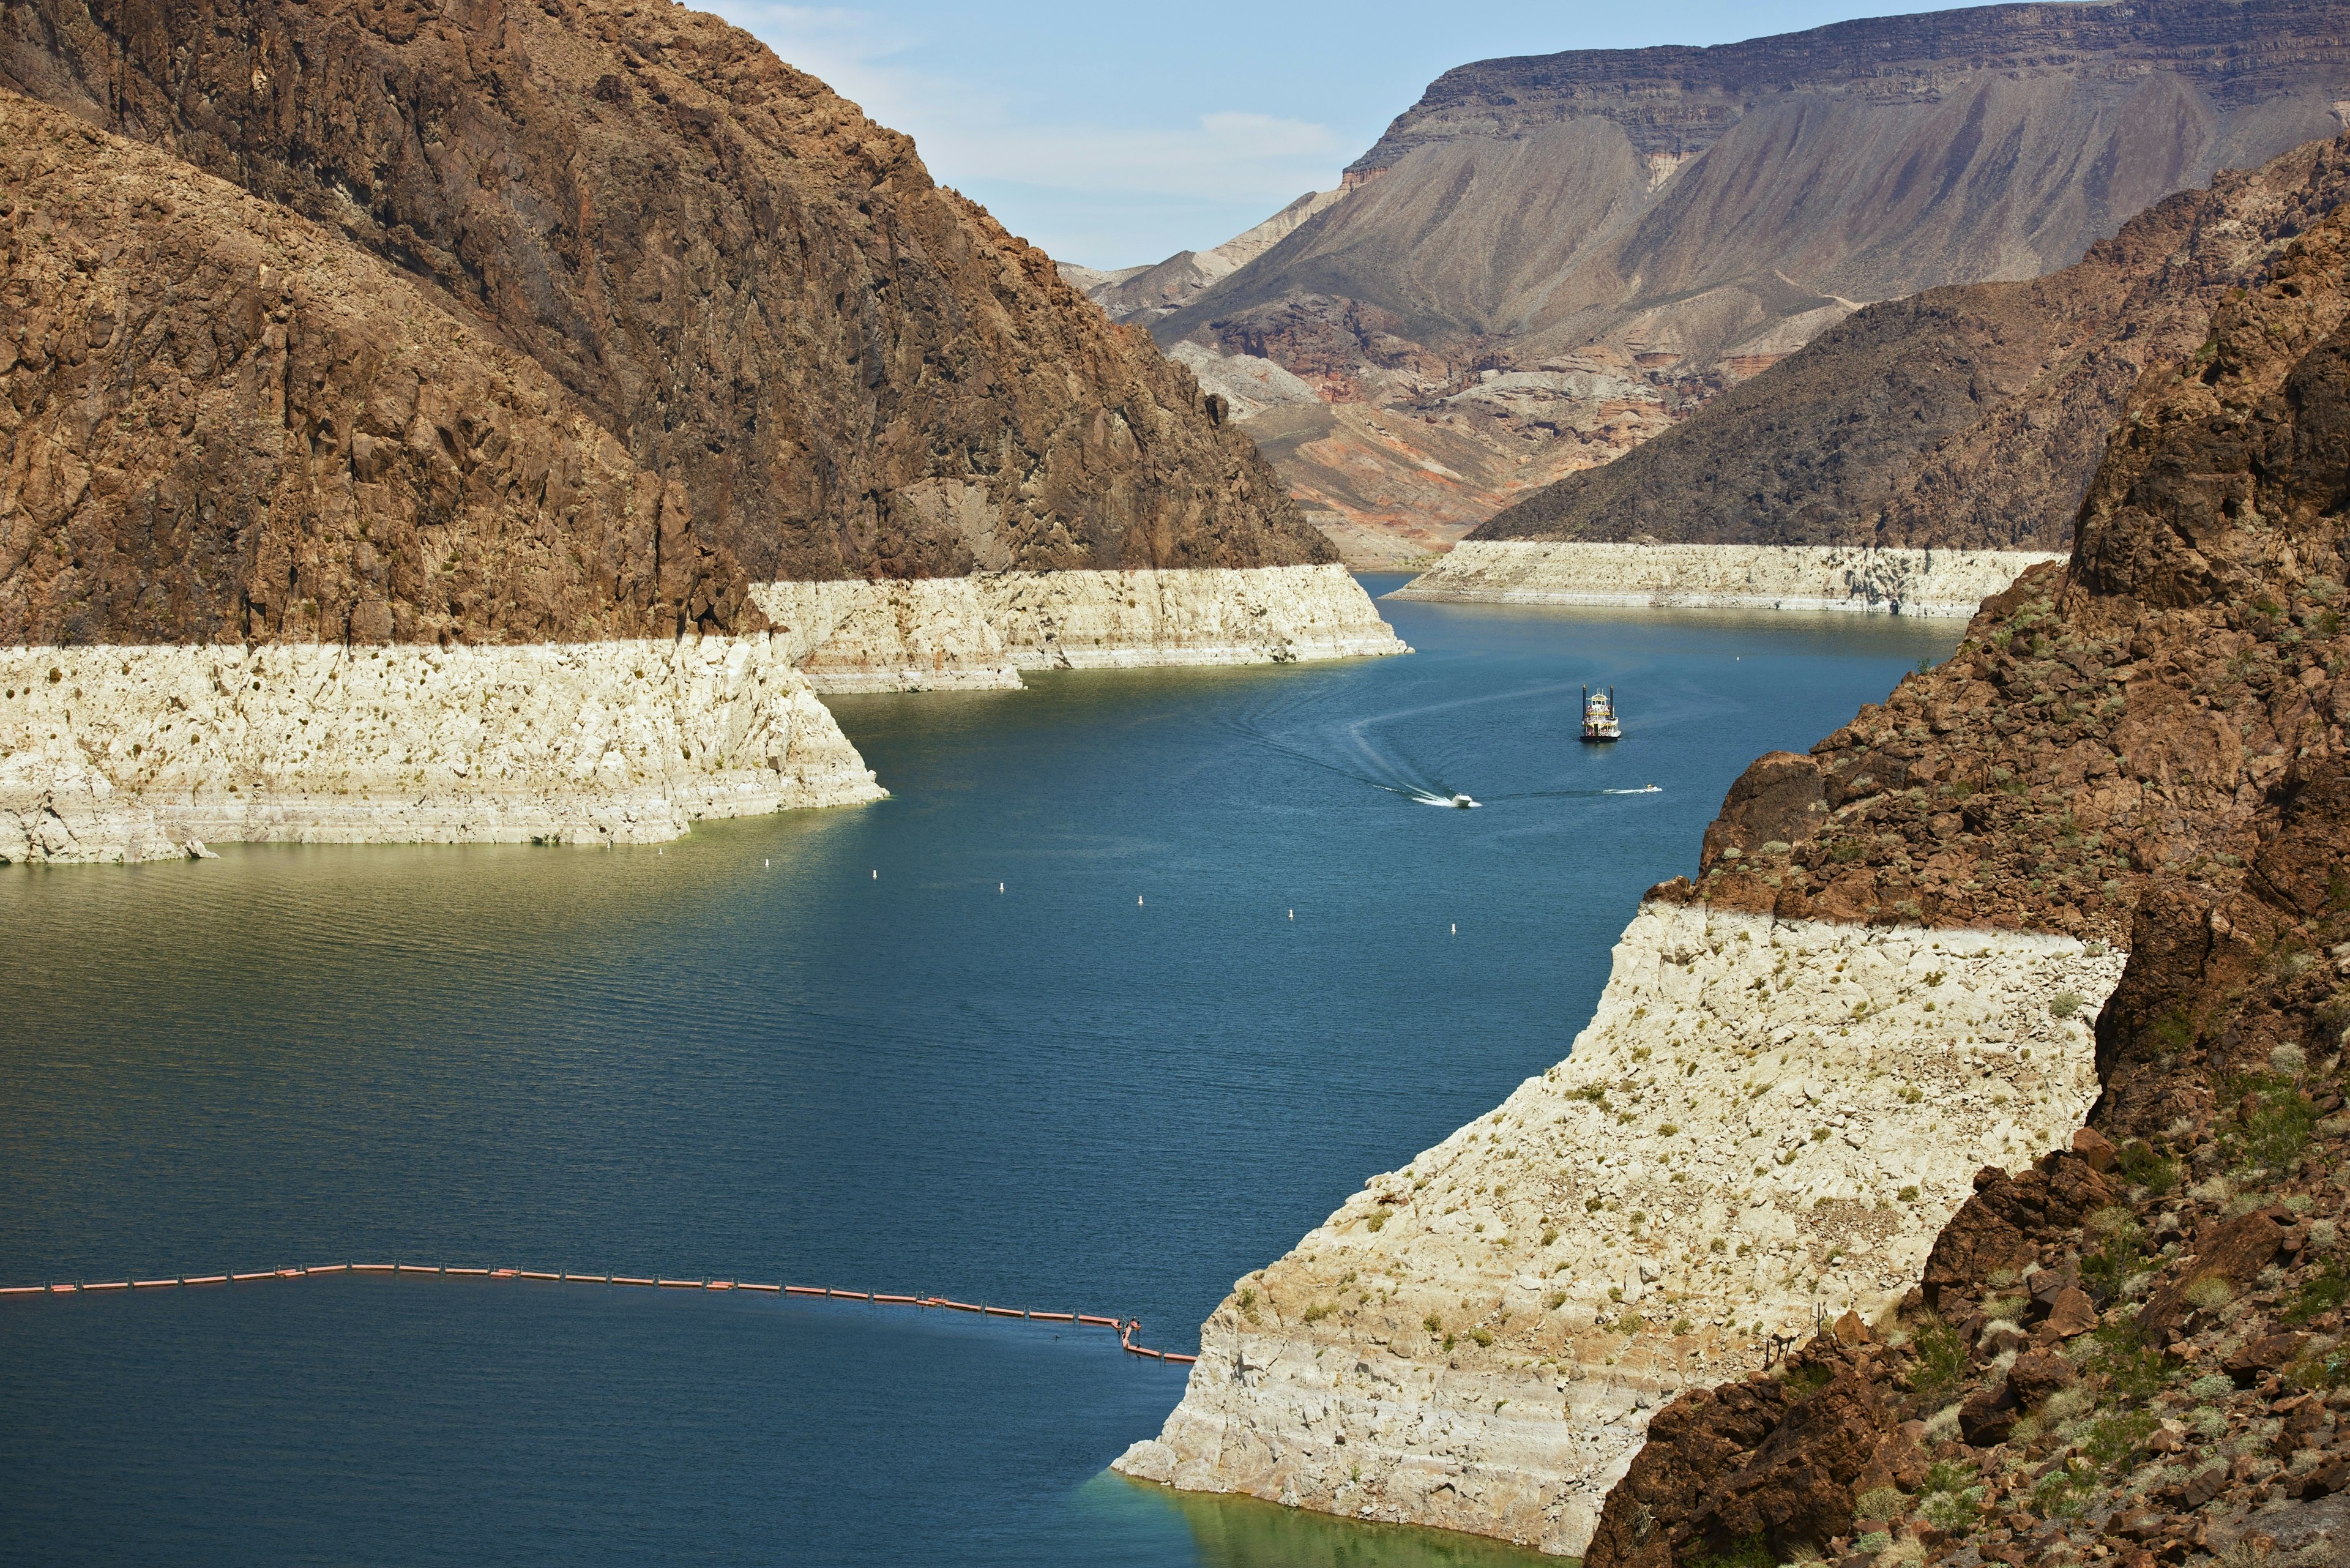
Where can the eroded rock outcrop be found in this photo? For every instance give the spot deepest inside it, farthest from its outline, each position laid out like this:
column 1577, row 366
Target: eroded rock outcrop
column 979, row 632
column 1764, row 1120
column 148, row 753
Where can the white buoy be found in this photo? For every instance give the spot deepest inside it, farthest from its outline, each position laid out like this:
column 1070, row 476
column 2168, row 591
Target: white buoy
column 999, row 886
column 1456, row 928
column 877, row 876
column 1292, row 914
column 1138, row 901
column 768, row 864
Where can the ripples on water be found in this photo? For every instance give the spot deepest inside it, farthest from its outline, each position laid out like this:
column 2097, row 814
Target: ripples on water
column 696, row 1062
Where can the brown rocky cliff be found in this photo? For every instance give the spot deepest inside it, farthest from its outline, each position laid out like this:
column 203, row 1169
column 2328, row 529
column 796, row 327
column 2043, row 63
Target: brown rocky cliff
column 1970, row 417
column 222, row 422
column 2129, row 716
column 848, row 370
column 2133, row 1350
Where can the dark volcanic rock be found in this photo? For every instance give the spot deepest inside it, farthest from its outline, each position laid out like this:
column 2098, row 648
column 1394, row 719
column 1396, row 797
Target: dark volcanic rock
column 847, row 370
column 223, row 422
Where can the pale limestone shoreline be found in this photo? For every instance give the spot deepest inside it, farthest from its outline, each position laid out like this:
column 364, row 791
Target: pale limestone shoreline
column 979, row 632
column 128, row 753
column 1817, row 1096
column 1847, row 578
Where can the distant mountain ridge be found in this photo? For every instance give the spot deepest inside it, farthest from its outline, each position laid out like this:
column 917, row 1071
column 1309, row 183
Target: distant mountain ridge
column 1970, row 417
column 1549, row 260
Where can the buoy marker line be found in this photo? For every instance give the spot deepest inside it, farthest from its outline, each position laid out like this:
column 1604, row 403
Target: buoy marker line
column 1126, row 1328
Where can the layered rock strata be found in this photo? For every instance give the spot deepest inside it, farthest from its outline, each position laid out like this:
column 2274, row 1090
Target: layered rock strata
column 1724, row 577
column 127, row 753
column 757, row 292
column 1765, row 1120
column 979, row 632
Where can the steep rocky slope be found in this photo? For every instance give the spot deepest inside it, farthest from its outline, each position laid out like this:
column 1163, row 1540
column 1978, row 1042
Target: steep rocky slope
column 1552, row 258
column 223, row 423
column 1879, row 977
column 2135, row 1350
column 1963, row 418
column 845, row 369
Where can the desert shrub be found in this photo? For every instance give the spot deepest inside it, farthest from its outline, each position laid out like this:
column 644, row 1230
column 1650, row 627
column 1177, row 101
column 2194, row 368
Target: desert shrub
column 1890, row 1503
column 1942, row 1356
column 2213, row 1386
column 1753, row 1552
column 2065, row 1003
column 2321, row 1292
column 2211, row 1293
column 2140, row 1165
column 1483, row 1336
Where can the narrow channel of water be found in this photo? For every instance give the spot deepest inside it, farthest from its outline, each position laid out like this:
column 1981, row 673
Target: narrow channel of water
column 1115, row 1085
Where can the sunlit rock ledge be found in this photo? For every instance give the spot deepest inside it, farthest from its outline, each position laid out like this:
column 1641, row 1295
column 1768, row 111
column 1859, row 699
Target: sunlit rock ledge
column 1939, row 583
column 127, row 753
column 979, row 632
column 1765, row 1121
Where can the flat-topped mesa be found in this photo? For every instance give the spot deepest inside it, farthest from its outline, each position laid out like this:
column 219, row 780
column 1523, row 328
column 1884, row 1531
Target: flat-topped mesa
column 847, row 370
column 1915, row 924
column 1943, row 582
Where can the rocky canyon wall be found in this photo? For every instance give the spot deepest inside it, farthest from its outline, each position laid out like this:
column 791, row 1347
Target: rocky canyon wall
column 1723, row 576
column 757, row 292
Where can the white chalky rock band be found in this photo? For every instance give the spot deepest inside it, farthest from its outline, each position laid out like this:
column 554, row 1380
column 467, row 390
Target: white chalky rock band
column 1765, row 1121
column 1723, row 577
column 126, row 753
column 979, row 631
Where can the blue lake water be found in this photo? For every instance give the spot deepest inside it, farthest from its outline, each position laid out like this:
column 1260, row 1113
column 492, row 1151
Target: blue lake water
column 749, row 1056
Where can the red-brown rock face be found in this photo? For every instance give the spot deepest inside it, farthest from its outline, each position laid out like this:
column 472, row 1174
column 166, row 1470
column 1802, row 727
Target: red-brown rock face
column 223, row 422
column 845, row 369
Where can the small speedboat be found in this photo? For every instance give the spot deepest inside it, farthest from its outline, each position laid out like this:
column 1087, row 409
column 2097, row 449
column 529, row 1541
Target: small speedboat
column 1463, row 802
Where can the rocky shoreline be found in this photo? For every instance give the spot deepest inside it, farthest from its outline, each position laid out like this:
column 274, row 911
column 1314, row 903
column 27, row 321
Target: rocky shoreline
column 128, row 753
column 1939, row 583
column 1790, row 1111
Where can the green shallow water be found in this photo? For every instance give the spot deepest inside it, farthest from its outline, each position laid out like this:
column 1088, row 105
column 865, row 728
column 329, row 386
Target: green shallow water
column 749, row 1056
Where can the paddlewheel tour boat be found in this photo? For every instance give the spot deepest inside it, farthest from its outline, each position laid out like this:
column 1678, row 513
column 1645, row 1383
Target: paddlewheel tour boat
column 1599, row 716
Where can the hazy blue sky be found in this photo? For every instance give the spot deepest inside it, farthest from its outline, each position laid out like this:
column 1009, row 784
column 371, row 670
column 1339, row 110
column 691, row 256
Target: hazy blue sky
column 1112, row 133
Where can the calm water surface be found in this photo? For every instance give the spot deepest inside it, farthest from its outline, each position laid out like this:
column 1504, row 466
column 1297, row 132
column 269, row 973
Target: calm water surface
column 697, row 1063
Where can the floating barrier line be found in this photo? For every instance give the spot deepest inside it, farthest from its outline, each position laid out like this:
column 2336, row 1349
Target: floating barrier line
column 1126, row 1328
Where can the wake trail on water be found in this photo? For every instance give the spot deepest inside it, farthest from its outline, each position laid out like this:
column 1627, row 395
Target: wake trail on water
column 1358, row 750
